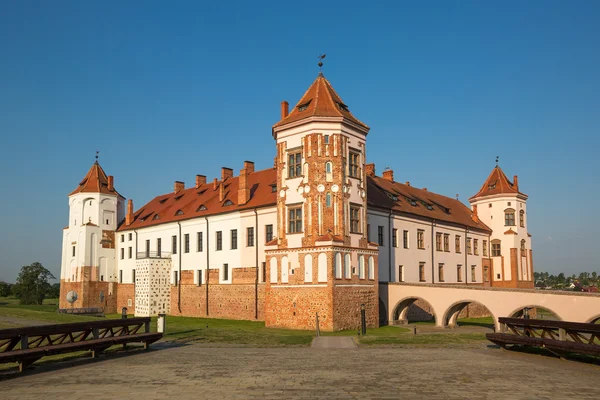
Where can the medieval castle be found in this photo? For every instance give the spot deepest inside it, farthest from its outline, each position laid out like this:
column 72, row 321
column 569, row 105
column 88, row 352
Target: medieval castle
column 319, row 232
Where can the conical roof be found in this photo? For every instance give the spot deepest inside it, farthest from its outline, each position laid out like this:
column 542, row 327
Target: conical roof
column 95, row 181
column 497, row 183
column 320, row 100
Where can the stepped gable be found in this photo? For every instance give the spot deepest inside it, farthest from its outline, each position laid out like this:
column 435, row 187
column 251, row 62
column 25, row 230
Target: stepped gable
column 95, row 181
column 204, row 200
column 403, row 198
column 497, row 183
column 320, row 100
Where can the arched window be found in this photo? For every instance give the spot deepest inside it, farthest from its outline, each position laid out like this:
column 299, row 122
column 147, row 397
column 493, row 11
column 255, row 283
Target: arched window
column 308, row 268
column 328, row 167
column 522, row 218
column 273, row 272
column 328, row 199
column 328, row 171
column 509, row 217
column 322, row 272
column 523, row 247
column 338, row 266
column 347, row 266
column 496, row 248
column 361, row 267
column 371, row 268
column 285, row 266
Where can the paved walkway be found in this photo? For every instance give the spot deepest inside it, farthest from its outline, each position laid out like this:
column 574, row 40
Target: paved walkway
column 333, row 342
column 194, row 372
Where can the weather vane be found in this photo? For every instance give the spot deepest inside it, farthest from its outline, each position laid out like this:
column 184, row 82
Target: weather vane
column 497, row 158
column 321, row 57
column 97, row 152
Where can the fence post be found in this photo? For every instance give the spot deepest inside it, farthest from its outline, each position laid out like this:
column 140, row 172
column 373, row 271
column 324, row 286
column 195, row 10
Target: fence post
column 95, row 333
column 24, row 342
column 562, row 334
column 318, row 330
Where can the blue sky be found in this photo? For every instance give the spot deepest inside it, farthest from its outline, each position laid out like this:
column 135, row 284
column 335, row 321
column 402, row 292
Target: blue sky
column 169, row 90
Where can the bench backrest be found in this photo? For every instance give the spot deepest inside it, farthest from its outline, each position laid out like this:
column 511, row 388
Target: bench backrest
column 548, row 324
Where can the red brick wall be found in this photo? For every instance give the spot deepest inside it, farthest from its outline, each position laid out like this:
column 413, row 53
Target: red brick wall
column 346, row 307
column 89, row 295
column 296, row 308
column 125, row 292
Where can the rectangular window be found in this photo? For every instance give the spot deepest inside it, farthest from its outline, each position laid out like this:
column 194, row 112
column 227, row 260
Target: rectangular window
column 294, row 164
column 225, row 272
column 121, row 275
column 130, row 237
column 268, row 233
column 250, row 236
column 148, row 248
column 395, row 237
column 496, row 250
column 295, row 220
column 400, row 273
column 199, row 242
column 199, row 274
column 438, row 241
column 469, row 250
column 421, row 272
column 174, row 244
column 476, row 247
column 158, row 247
column 421, row 239
column 354, row 219
column 441, row 272
column 122, row 253
column 219, row 240
column 175, row 278
column 233, row 239
column 509, row 218
column 457, row 243
column 73, row 251
column 380, row 235
column 133, row 275
column 485, row 252
column 354, row 165
column 473, row 271
column 405, row 239
column 486, row 273
column 122, row 238
column 130, row 252
column 446, row 242
column 186, row 248
column 459, row 273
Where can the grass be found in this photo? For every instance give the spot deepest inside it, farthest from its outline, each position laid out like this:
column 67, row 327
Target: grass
column 425, row 339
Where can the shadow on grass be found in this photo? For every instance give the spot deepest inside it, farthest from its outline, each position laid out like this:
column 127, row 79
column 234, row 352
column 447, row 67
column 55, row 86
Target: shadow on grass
column 547, row 353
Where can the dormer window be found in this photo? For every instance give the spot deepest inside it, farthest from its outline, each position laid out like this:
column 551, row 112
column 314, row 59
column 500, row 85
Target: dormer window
column 492, row 186
column 179, row 212
column 201, row 208
column 413, row 203
column 163, row 200
column 227, row 203
column 273, row 188
column 155, row 217
column 178, row 197
column 429, row 207
column 304, row 106
column 342, row 106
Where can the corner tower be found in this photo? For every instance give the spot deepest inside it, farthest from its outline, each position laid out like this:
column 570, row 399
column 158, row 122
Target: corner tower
column 88, row 254
column 321, row 261
column 503, row 207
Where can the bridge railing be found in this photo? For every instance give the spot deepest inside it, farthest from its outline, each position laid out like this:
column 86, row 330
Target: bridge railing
column 560, row 337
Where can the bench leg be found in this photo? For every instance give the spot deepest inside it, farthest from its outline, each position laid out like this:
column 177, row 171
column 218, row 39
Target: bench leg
column 23, row 364
column 98, row 350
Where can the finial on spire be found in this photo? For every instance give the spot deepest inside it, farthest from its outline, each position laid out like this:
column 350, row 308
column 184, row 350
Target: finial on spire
column 320, row 64
column 497, row 159
column 456, row 196
column 97, row 152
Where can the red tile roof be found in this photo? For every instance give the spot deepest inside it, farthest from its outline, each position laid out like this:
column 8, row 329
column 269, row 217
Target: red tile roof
column 320, row 100
column 95, row 181
column 497, row 183
column 386, row 195
column 204, row 201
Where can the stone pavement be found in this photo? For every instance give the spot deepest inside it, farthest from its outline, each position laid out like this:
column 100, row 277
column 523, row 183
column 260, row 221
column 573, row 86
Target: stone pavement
column 197, row 372
column 333, row 342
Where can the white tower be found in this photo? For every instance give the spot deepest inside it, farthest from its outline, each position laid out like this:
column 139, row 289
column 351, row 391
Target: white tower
column 88, row 253
column 501, row 206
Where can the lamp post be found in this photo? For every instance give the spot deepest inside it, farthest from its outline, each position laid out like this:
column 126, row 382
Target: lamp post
column 363, row 321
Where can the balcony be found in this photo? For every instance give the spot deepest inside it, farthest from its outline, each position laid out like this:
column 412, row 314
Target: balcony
column 152, row 254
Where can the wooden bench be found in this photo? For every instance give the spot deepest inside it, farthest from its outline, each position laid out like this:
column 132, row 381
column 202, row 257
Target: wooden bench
column 559, row 337
column 28, row 344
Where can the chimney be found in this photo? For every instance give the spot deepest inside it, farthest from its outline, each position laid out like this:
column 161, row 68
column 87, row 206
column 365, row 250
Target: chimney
column 243, row 189
column 221, row 192
column 285, row 109
column 275, row 162
column 226, row 173
column 370, row 169
column 179, row 186
column 200, row 180
column 475, row 216
column 388, row 175
column 111, row 183
column 129, row 215
column 407, row 183
column 249, row 166
column 215, row 184
column 516, row 182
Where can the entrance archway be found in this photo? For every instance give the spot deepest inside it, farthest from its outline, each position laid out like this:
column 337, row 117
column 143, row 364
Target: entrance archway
column 468, row 309
column 534, row 311
column 413, row 309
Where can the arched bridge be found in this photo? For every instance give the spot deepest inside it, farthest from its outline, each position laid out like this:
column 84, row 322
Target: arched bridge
column 448, row 301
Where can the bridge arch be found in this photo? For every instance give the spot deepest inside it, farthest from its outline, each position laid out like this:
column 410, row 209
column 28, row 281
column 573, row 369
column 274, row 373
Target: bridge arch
column 594, row 320
column 518, row 313
column 451, row 315
column 400, row 312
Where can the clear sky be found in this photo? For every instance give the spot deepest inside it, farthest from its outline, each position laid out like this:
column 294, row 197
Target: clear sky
column 168, row 90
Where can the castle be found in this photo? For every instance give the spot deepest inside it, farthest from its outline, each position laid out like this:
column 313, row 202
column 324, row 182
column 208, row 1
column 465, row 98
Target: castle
column 319, row 232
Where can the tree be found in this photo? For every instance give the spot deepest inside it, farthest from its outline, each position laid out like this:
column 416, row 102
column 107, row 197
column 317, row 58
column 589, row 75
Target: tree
column 5, row 289
column 32, row 284
column 54, row 291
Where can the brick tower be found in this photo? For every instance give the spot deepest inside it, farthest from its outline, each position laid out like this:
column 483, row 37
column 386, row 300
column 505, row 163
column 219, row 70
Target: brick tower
column 321, row 261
